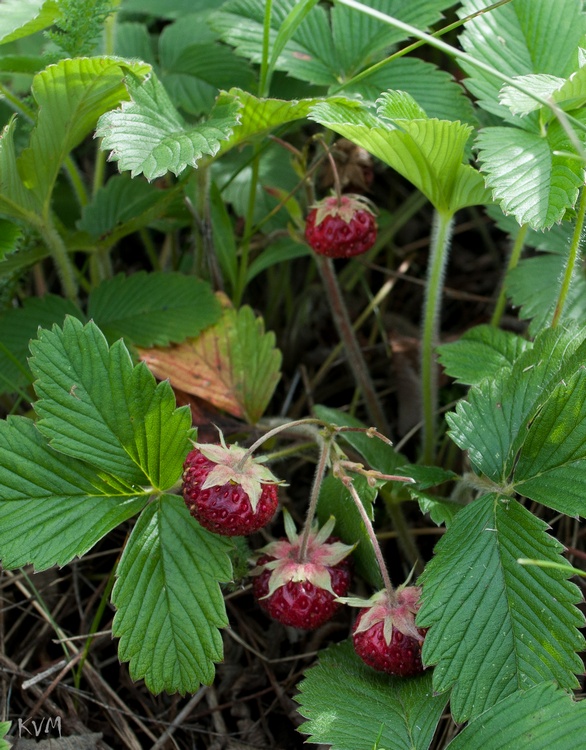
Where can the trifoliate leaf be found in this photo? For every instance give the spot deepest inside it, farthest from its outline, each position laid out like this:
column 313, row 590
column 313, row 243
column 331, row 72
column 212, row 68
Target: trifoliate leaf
column 168, row 598
column 352, row 707
column 497, row 626
column 153, row 308
column 96, row 406
column 53, row 507
column 544, row 716
column 330, row 45
column 148, row 136
column 481, row 352
column 233, row 364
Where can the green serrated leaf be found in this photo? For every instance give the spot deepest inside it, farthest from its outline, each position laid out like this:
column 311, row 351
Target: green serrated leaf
column 120, row 200
column 233, row 364
column 327, row 47
column 528, row 173
column 20, row 18
column 96, row 406
column 481, row 352
column 544, row 716
column 148, row 136
column 433, row 89
column 519, row 38
column 441, row 511
column 497, row 626
column 153, row 309
column 194, row 66
column 53, row 507
column 555, row 240
column 258, row 116
column 429, row 153
column 335, row 500
column 168, row 598
column 506, row 404
column 552, row 461
column 530, row 288
column 539, row 84
column 18, row 326
column 71, row 95
column 351, row 707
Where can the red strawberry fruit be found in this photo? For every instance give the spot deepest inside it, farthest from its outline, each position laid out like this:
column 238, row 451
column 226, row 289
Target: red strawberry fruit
column 299, row 592
column 341, row 227
column 225, row 495
column 385, row 635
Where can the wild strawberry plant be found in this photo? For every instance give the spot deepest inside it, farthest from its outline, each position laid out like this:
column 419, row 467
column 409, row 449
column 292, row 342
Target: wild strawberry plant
column 194, row 134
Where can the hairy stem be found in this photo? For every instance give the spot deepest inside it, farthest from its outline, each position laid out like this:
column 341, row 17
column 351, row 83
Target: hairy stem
column 60, row 256
column 320, row 470
column 513, row 261
column 248, row 227
column 441, row 236
column 353, row 352
column 390, row 589
column 572, row 261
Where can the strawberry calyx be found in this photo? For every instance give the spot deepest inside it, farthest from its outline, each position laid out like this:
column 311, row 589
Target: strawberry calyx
column 316, row 566
column 232, row 465
column 398, row 614
column 343, row 207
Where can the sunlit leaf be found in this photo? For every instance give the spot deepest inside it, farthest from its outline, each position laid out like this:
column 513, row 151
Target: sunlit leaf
column 20, row 18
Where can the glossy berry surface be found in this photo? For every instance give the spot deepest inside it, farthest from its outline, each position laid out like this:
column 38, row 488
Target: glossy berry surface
column 340, row 228
column 226, row 507
column 401, row 657
column 302, row 604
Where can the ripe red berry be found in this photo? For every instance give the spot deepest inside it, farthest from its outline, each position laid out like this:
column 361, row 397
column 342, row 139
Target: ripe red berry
column 340, row 228
column 386, row 637
column 224, row 496
column 302, row 594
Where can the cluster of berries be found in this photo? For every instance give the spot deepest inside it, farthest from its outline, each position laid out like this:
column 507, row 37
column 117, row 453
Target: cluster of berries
column 300, row 580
